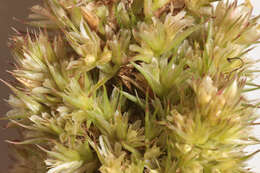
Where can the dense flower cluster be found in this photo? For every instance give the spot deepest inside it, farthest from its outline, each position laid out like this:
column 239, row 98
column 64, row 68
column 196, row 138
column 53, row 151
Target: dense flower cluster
column 134, row 86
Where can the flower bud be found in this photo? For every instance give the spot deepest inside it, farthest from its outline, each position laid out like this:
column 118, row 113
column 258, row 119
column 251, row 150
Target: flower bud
column 250, row 36
column 206, row 90
column 231, row 92
column 15, row 102
column 90, row 59
column 91, row 17
column 217, row 107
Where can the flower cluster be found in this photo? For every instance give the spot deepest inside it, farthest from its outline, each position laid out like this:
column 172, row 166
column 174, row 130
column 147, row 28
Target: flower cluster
column 134, row 86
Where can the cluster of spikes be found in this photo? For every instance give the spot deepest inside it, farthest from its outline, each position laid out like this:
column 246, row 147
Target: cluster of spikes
column 134, row 86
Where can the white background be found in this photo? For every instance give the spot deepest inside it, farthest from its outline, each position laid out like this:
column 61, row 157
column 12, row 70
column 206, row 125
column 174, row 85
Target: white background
column 255, row 54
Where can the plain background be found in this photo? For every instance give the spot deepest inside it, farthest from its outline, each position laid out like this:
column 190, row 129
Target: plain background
column 20, row 10
column 8, row 10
